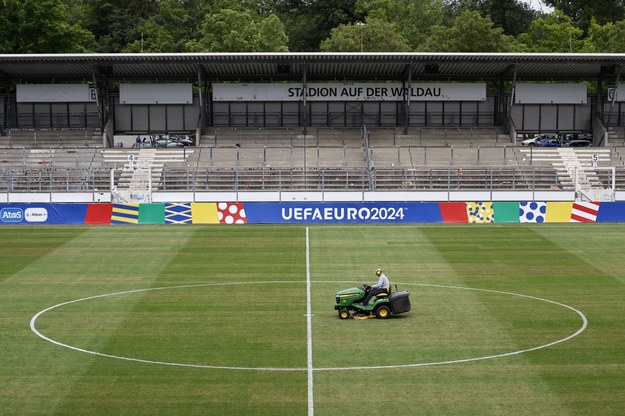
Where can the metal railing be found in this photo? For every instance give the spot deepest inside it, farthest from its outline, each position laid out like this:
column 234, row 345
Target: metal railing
column 47, row 138
column 288, row 179
column 54, row 180
column 358, row 179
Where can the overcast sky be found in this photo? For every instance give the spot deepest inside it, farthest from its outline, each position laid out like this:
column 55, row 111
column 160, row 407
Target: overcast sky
column 538, row 5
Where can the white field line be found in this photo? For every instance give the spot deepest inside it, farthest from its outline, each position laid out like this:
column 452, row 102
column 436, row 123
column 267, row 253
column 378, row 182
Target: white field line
column 466, row 360
column 33, row 328
column 311, row 407
column 310, row 369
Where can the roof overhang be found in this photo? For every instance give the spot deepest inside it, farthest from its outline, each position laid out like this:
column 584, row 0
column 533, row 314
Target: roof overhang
column 317, row 66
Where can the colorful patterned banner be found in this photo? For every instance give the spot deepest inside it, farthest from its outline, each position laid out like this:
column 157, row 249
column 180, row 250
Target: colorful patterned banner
column 585, row 212
column 178, row 213
column 125, row 214
column 474, row 212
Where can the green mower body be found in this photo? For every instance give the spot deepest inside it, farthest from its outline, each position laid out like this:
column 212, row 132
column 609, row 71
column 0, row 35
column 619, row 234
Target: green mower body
column 348, row 303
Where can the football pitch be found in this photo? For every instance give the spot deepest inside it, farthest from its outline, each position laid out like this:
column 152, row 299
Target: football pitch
column 239, row 320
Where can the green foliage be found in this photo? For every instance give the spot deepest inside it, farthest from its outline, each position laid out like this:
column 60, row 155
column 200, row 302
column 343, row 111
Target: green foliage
column 470, row 33
column 154, row 39
column 553, row 33
column 403, row 14
column 583, row 11
column 40, row 26
column 240, row 31
column 513, row 16
column 308, row 23
column 171, row 29
column 373, row 36
column 112, row 26
column 609, row 38
column 122, row 28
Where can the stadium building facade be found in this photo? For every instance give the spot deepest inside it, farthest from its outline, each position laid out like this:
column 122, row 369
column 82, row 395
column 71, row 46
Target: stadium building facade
column 159, row 93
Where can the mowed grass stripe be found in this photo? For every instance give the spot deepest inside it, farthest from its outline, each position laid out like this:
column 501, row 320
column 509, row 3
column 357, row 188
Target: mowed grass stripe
column 94, row 261
column 248, row 325
column 444, row 324
column 25, row 387
column 22, row 246
column 598, row 286
column 452, row 316
column 541, row 261
column 218, row 254
column 600, row 245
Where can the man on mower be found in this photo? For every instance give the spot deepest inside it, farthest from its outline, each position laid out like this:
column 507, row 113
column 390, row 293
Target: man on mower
column 380, row 287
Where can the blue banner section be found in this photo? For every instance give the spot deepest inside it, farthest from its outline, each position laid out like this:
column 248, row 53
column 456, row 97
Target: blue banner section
column 43, row 213
column 350, row 213
column 611, row 212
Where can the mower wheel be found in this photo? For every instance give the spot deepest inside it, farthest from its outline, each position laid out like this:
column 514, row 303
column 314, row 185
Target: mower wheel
column 383, row 312
column 344, row 314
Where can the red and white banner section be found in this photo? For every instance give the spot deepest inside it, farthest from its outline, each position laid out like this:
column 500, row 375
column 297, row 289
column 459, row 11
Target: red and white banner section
column 585, row 211
column 232, row 213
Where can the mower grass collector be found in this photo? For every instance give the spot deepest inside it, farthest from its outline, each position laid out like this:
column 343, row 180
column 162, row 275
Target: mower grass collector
column 348, row 303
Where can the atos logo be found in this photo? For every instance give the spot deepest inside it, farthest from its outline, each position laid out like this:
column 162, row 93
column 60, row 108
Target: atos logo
column 11, row 215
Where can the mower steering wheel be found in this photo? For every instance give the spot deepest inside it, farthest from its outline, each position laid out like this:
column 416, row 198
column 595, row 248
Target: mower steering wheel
column 366, row 287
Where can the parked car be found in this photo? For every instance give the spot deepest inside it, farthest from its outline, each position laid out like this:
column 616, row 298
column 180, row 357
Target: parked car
column 557, row 142
column 173, row 141
column 578, row 143
column 579, row 136
column 533, row 141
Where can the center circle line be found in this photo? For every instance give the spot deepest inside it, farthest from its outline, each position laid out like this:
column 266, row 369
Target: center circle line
column 34, row 329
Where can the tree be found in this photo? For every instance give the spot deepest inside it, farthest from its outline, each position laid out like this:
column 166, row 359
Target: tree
column 154, row 38
column 240, row 31
column 172, row 29
column 373, row 36
column 470, row 33
column 112, row 25
column 513, row 16
column 554, row 32
column 404, row 13
column 609, row 38
column 40, row 26
column 583, row 11
column 309, row 22
column 208, row 25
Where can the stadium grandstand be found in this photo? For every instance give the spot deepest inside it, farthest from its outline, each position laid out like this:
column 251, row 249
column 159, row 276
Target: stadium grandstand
column 342, row 126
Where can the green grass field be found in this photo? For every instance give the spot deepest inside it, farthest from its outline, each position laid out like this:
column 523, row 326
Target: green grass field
column 224, row 330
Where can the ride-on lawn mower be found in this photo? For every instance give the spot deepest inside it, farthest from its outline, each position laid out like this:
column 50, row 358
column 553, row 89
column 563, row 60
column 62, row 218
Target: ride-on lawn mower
column 381, row 306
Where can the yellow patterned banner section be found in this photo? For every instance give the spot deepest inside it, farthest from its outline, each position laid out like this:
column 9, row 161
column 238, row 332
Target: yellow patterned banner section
column 125, row 214
column 559, row 211
column 204, row 213
column 480, row 212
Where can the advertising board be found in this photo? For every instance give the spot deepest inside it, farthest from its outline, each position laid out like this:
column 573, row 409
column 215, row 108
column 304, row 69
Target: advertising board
column 497, row 212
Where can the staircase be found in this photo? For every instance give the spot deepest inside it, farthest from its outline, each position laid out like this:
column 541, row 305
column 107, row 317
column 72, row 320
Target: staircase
column 144, row 166
column 141, row 168
column 572, row 169
column 571, row 165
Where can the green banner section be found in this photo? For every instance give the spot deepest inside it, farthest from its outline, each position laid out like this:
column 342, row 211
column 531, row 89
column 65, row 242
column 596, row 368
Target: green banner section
column 506, row 212
column 152, row 213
